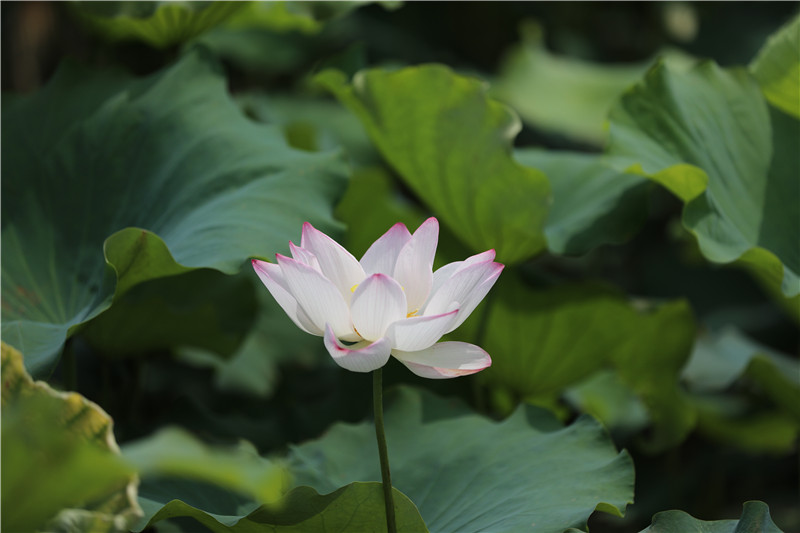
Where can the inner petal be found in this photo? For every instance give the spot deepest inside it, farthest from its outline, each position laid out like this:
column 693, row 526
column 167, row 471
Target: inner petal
column 377, row 302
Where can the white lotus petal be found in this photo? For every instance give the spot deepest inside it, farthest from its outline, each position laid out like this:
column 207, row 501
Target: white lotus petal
column 445, row 360
column 272, row 277
column 382, row 255
column 420, row 332
column 460, row 286
column 318, row 297
column 414, row 268
column 377, row 302
column 468, row 305
column 445, row 272
column 336, row 263
column 360, row 357
column 304, row 256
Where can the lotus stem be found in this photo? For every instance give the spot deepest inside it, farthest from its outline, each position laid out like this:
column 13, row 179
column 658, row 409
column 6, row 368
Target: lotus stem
column 377, row 405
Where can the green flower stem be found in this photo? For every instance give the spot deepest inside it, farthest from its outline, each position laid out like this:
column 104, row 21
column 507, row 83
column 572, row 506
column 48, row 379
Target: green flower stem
column 377, row 406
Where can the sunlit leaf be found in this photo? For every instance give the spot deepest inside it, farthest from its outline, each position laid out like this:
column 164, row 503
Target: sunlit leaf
column 706, row 135
column 777, row 68
column 451, row 144
column 755, row 518
column 159, row 24
column 174, row 453
column 61, row 465
column 468, row 473
column 355, row 507
column 171, row 154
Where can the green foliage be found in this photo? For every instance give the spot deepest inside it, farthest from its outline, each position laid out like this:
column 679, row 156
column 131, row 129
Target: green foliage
column 131, row 204
column 61, row 465
column 593, row 203
column 777, row 68
column 543, row 341
column 755, row 518
column 170, row 153
column 728, row 368
column 706, row 136
column 468, row 473
column 159, row 24
column 355, row 507
column 565, row 95
column 451, row 145
column 173, row 453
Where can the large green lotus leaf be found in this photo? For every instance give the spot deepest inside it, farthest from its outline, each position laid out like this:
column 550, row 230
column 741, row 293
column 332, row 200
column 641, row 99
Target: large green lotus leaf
column 544, row 340
column 61, row 465
column 171, row 154
column 203, row 308
column 355, row 507
column 174, row 453
column 777, row 68
column 649, row 360
column 159, row 24
column 541, row 341
column 565, row 95
column 755, row 519
column 593, row 203
column 706, row 135
column 452, row 145
column 468, row 473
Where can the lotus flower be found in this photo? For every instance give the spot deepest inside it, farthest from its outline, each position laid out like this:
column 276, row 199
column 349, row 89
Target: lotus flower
column 389, row 303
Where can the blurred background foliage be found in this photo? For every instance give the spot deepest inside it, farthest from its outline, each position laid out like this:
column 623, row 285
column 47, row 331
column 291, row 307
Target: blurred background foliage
column 522, row 143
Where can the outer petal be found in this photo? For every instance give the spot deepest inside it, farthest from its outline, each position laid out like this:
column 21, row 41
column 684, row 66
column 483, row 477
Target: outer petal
column 377, row 302
column 360, row 357
column 464, row 287
column 336, row 263
column 445, row 360
column 447, row 271
column 414, row 268
column 318, row 297
column 304, row 256
column 382, row 255
column 420, row 332
column 272, row 277
column 475, row 297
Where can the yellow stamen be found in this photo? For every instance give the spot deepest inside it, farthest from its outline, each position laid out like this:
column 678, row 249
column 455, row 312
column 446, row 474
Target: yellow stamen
column 412, row 313
column 353, row 288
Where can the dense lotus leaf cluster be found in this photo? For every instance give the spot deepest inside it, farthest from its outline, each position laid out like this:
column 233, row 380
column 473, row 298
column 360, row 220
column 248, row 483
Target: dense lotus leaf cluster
column 643, row 211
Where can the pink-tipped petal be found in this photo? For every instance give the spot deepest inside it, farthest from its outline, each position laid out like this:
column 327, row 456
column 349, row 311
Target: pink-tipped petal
column 447, row 271
column 318, row 297
column 360, row 357
column 304, row 256
column 336, row 263
column 272, row 278
column 475, row 297
column 382, row 255
column 445, row 360
column 420, row 332
column 377, row 302
column 414, row 267
column 459, row 288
